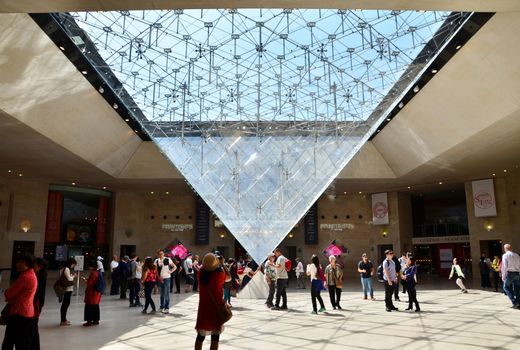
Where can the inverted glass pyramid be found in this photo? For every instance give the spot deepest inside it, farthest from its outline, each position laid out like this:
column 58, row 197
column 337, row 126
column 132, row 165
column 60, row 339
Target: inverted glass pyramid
column 260, row 109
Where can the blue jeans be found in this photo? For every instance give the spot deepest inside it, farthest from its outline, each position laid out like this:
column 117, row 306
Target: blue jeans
column 367, row 286
column 512, row 287
column 165, row 294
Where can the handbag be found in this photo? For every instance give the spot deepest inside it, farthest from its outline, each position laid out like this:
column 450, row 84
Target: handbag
column 5, row 314
column 224, row 312
column 61, row 284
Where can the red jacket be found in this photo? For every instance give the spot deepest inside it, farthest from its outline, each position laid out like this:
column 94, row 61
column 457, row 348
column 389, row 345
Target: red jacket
column 207, row 313
column 20, row 295
column 92, row 297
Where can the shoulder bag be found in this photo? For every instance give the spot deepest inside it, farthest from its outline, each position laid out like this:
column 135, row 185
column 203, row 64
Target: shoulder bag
column 224, row 312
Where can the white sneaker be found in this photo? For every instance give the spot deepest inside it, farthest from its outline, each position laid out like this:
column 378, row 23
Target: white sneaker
column 166, row 311
column 161, row 310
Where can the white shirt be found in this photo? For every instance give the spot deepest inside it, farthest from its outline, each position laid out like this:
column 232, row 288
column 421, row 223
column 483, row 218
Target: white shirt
column 299, row 269
column 281, row 272
column 165, row 270
column 188, row 266
column 100, row 266
column 510, row 263
column 313, row 271
column 113, row 265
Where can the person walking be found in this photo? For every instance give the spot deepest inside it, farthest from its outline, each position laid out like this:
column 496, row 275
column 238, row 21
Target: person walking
column 196, row 267
column 366, row 270
column 402, row 263
column 211, row 281
column 114, row 286
column 270, row 279
column 69, row 276
column 399, row 273
column 390, row 279
column 91, row 313
column 485, row 269
column 99, row 264
column 149, row 280
column 134, row 282
column 124, row 273
column 227, row 282
column 457, row 272
column 511, row 275
column 315, row 272
column 188, row 270
column 333, row 274
column 409, row 272
column 281, row 280
column 300, row 274
column 165, row 268
column 495, row 269
column 176, row 276
column 19, row 331
column 40, row 268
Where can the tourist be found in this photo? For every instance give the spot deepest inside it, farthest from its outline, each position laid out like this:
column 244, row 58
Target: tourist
column 68, row 277
column 124, row 272
column 114, row 287
column 270, row 278
column 315, row 272
column 40, row 268
column 485, row 269
column 149, row 280
column 165, row 268
column 511, row 275
column 399, row 273
column 402, row 263
column 227, row 282
column 99, row 264
column 188, row 270
column 176, row 276
column 457, row 272
column 495, row 269
column 390, row 279
column 366, row 270
column 133, row 282
column 92, row 297
column 211, row 282
column 300, row 273
column 281, row 280
column 20, row 313
column 409, row 273
column 249, row 273
column 334, row 276
column 196, row 268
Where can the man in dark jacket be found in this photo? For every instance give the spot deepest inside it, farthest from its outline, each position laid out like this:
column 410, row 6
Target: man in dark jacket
column 398, row 272
column 123, row 272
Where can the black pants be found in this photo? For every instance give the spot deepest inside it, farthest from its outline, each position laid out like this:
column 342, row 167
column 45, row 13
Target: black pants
column 281, row 292
column 148, row 288
column 114, row 288
column 19, row 333
column 403, row 283
column 412, row 294
column 134, row 287
column 498, row 280
column 124, row 287
column 65, row 306
column 335, row 295
column 91, row 313
column 396, row 290
column 195, row 282
column 272, row 289
column 315, row 295
column 389, row 291
column 35, row 343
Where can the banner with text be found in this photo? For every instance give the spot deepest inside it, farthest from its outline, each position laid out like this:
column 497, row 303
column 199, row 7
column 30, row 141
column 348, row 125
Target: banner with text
column 484, row 198
column 380, row 209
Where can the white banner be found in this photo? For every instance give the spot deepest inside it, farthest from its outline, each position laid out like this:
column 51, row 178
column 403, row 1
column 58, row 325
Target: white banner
column 380, row 209
column 484, row 198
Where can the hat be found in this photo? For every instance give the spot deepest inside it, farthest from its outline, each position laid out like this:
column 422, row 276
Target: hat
column 210, row 262
column 270, row 255
column 126, row 257
column 100, row 258
column 389, row 251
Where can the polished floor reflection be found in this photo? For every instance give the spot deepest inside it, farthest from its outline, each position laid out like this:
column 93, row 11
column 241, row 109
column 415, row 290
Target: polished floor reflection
column 449, row 320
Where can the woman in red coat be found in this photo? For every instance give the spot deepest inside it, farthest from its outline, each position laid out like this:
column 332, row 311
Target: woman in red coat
column 92, row 297
column 211, row 293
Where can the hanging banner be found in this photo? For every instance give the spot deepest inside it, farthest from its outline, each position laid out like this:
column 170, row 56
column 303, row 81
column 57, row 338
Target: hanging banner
column 484, row 198
column 380, row 209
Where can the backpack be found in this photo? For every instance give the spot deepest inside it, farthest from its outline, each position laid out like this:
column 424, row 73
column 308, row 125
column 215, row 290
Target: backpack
column 380, row 273
column 288, row 265
column 100, row 283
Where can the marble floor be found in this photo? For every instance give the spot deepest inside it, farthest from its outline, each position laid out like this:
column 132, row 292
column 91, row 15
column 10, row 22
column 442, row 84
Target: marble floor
column 449, row 320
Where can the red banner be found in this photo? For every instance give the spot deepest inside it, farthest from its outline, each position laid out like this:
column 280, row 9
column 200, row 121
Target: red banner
column 54, row 213
column 101, row 234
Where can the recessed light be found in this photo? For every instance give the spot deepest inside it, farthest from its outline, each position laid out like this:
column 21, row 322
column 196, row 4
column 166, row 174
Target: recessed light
column 73, row 184
column 61, row 48
column 167, row 192
column 151, row 192
column 84, row 72
column 401, row 105
column 378, row 130
column 505, row 170
column 9, row 171
column 136, row 131
column 494, row 174
column 101, row 90
column 115, row 105
column 104, row 187
column 388, row 119
column 127, row 120
column 360, row 192
column 344, row 192
column 409, row 187
column 440, row 182
column 416, row 89
column 20, row 174
column 434, row 71
column 458, row 46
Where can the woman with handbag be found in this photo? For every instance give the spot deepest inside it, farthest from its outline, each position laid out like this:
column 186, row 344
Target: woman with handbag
column 67, row 281
column 149, row 281
column 315, row 272
column 19, row 312
column 212, row 312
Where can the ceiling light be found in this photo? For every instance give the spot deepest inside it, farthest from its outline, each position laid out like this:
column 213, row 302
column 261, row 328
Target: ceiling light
column 440, row 182
column 378, row 130
column 84, row 72
column 115, row 105
column 388, row 119
column 101, row 90
column 458, row 46
column 416, row 89
column 401, row 105
column 494, row 174
column 434, row 71
column 61, row 48
column 137, row 132
column 104, row 187
column 344, row 192
column 409, row 187
column 360, row 192
column 167, row 192
column 151, row 192
column 9, row 171
column 73, row 184
column 127, row 120
column 20, row 174
column 505, row 170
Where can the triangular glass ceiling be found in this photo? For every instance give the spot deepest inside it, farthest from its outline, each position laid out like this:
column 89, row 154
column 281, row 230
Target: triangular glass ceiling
column 260, row 109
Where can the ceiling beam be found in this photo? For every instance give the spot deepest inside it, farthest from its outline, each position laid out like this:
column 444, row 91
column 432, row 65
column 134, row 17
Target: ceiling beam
column 38, row 6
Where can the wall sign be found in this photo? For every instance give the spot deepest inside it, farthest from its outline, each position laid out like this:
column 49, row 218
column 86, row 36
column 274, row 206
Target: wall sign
column 484, row 200
column 177, row 227
column 441, row 239
column 336, row 227
column 380, row 209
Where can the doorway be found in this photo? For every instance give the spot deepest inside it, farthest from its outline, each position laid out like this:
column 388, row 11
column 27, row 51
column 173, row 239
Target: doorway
column 127, row 250
column 382, row 249
column 20, row 248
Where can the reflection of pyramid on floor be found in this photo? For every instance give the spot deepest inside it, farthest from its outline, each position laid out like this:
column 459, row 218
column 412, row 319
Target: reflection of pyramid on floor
column 255, row 289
